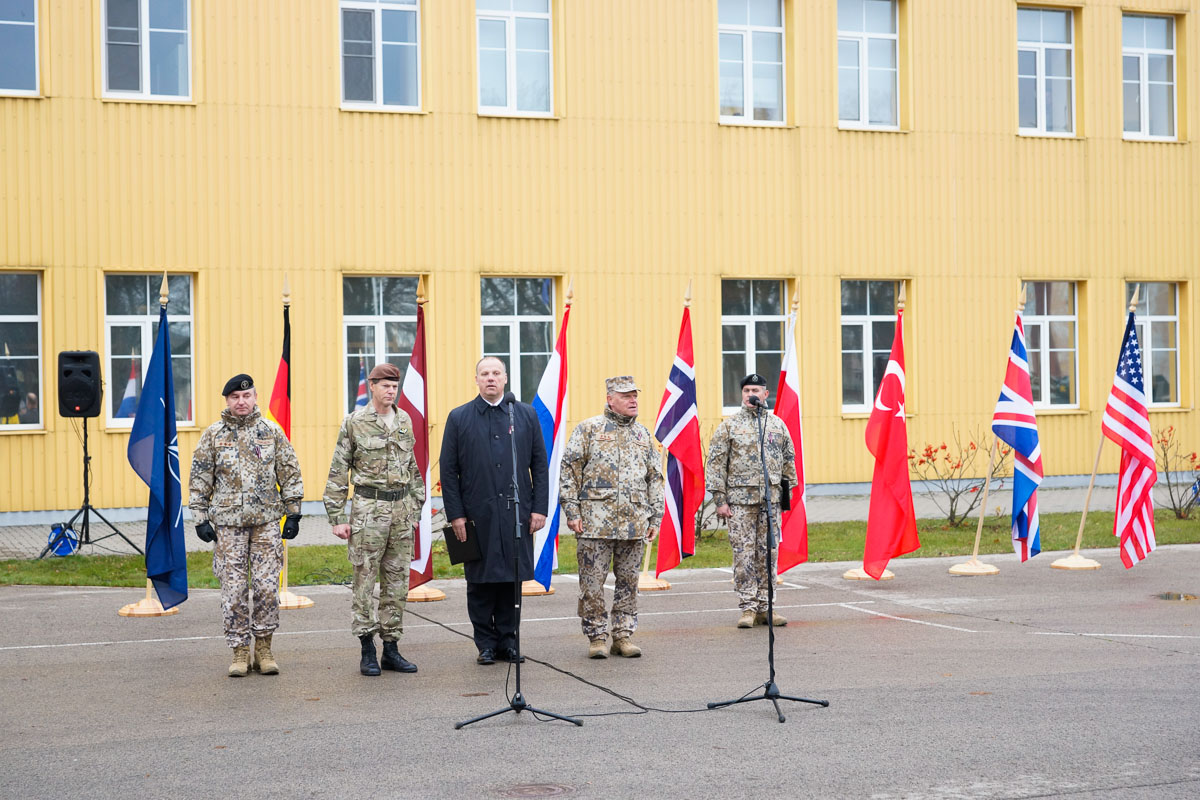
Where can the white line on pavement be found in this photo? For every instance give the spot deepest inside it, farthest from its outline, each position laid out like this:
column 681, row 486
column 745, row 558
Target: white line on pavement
column 1116, row 635
column 908, row 619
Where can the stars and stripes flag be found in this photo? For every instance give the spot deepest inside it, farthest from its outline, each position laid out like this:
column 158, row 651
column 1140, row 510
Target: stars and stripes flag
column 793, row 544
column 128, row 405
column 678, row 428
column 1126, row 423
column 550, row 403
column 414, row 400
column 360, row 400
column 1016, row 425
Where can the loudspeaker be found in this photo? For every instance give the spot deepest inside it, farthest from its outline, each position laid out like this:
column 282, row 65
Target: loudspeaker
column 79, row 387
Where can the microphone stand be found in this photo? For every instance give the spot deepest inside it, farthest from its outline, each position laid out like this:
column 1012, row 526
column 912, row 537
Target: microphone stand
column 770, row 689
column 517, row 702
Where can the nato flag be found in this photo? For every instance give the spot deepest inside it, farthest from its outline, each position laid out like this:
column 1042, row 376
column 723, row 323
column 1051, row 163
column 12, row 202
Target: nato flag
column 154, row 456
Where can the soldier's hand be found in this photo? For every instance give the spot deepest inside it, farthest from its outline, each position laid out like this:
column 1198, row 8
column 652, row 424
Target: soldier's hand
column 536, row 522
column 291, row 526
column 575, row 525
column 724, row 511
column 205, row 532
column 460, row 528
column 651, row 533
column 342, row 531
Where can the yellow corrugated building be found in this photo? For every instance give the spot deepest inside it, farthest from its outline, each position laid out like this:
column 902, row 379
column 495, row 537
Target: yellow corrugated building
column 762, row 150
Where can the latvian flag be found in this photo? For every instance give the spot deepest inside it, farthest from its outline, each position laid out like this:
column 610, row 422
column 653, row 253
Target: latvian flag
column 550, row 403
column 1016, row 425
column 414, row 399
column 678, row 428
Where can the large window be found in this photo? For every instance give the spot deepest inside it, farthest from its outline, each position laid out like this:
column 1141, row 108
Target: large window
column 379, row 315
column 1148, row 76
column 868, row 64
column 18, row 47
column 518, row 328
column 868, row 327
column 1052, row 342
column 381, row 54
column 751, row 55
column 1158, row 334
column 20, row 351
column 130, row 327
column 147, row 48
column 514, row 57
column 1045, row 71
column 753, row 324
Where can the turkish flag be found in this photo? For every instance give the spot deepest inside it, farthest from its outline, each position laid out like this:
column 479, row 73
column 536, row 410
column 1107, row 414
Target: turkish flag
column 891, row 520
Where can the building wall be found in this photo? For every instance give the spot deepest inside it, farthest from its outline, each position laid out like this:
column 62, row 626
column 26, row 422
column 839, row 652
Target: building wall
column 632, row 191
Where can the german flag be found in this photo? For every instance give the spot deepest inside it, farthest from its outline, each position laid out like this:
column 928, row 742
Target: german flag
column 280, row 407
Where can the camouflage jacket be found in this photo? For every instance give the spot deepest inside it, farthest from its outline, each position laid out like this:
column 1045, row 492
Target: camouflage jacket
column 733, row 472
column 378, row 459
column 244, row 473
column 612, row 478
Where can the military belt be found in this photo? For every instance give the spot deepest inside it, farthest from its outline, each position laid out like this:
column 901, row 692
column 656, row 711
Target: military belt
column 379, row 494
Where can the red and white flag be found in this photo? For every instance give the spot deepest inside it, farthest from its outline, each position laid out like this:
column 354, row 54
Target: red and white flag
column 891, row 520
column 793, row 545
column 414, row 399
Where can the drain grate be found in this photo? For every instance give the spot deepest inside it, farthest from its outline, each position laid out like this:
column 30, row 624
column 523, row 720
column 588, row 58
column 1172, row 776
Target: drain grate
column 537, row 790
column 1175, row 596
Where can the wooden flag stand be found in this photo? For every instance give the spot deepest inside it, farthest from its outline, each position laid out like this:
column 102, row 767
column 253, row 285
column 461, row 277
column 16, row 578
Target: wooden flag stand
column 148, row 606
column 975, row 566
column 647, row 582
column 534, row 589
column 289, row 600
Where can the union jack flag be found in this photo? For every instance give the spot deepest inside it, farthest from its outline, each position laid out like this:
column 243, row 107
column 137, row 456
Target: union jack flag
column 1016, row 425
column 678, row 428
column 1126, row 423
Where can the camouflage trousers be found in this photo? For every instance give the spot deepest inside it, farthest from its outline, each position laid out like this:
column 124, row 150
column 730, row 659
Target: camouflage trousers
column 247, row 562
column 595, row 556
column 380, row 546
column 752, row 578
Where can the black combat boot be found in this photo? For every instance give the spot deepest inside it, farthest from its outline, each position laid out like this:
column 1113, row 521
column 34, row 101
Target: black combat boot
column 393, row 660
column 369, row 664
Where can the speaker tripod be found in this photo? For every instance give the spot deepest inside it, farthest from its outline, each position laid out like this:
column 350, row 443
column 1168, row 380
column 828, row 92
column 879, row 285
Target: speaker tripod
column 85, row 511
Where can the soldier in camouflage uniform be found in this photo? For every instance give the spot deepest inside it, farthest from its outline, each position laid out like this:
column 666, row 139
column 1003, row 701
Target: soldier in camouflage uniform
column 611, row 491
column 245, row 476
column 375, row 451
column 734, row 476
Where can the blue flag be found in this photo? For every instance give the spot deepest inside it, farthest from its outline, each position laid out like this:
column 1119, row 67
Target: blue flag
column 154, row 456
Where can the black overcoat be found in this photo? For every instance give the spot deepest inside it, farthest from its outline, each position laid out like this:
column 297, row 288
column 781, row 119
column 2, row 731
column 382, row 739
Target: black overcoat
column 476, row 473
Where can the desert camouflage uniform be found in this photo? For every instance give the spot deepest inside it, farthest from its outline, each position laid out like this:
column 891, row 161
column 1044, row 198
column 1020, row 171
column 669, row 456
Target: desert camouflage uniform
column 245, row 477
column 612, row 478
column 733, row 474
column 381, row 529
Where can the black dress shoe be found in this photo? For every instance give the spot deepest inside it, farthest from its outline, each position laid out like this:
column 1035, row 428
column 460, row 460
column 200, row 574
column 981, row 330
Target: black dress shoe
column 510, row 655
column 394, row 661
column 486, row 656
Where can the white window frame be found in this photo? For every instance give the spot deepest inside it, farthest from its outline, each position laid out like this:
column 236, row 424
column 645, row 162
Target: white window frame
column 747, row 33
column 748, row 321
column 513, row 322
column 863, row 39
column 1039, row 48
column 509, row 18
column 1042, row 321
column 1145, row 331
column 144, row 31
column 377, row 7
column 41, row 366
column 116, row 383
column 377, row 321
column 37, row 72
column 867, row 351
column 1142, row 54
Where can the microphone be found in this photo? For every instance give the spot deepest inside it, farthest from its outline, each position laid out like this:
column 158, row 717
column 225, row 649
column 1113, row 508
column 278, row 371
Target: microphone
column 509, row 398
column 754, row 400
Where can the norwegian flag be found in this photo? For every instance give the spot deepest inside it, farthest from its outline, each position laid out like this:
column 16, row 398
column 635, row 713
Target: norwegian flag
column 414, row 399
column 550, row 403
column 793, row 546
column 1016, row 425
column 678, row 428
column 1126, row 423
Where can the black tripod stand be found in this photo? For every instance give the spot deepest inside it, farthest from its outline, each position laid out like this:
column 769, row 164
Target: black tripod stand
column 770, row 689
column 85, row 531
column 517, row 702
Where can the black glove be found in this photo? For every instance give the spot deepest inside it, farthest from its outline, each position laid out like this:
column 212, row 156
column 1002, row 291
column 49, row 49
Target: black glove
column 291, row 526
column 205, row 532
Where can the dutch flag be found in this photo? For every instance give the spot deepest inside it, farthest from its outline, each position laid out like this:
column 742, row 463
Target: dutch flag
column 128, row 407
column 550, row 403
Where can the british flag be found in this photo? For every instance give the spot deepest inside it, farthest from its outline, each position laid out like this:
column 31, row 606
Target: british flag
column 1015, row 423
column 1126, row 423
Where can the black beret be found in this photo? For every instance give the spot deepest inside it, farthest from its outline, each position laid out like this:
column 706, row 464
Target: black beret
column 238, row 383
column 753, row 379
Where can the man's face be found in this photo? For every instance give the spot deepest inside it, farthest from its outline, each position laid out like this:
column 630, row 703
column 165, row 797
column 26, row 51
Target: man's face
column 242, row 401
column 754, row 391
column 624, row 403
column 383, row 392
column 491, row 378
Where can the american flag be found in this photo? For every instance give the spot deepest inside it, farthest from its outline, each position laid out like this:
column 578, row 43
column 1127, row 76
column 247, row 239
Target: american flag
column 1126, row 423
column 1016, row 425
column 678, row 428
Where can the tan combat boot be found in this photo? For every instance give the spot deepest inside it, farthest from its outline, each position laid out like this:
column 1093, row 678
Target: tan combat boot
column 625, row 648
column 746, row 620
column 264, row 661
column 596, row 649
column 241, row 661
column 778, row 620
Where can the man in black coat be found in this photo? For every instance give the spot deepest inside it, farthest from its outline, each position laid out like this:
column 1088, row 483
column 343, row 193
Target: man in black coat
column 476, row 472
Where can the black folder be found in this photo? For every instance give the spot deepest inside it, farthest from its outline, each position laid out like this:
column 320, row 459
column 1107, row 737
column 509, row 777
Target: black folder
column 462, row 551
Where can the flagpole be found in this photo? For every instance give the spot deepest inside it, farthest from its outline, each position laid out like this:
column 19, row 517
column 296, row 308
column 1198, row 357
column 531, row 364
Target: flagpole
column 975, row 566
column 149, row 606
column 425, row 593
column 289, row 600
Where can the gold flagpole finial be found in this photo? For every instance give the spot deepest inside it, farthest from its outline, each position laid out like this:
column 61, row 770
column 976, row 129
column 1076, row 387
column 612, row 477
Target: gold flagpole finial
column 687, row 296
column 796, row 297
column 287, row 292
column 422, row 298
column 164, row 294
column 570, row 292
column 1023, row 296
column 901, row 297
column 1137, row 290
